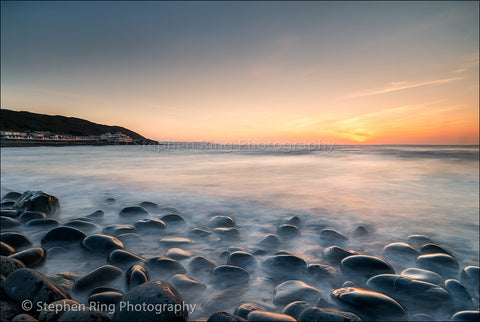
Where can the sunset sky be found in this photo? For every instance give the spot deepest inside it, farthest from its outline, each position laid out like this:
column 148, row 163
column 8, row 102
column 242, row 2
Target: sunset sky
column 344, row 72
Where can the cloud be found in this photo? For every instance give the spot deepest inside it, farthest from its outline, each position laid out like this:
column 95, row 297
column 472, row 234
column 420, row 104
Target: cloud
column 398, row 86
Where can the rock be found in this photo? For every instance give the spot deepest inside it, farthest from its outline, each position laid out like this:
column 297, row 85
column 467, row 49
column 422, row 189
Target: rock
column 163, row 267
column 63, row 236
column 6, row 250
column 434, row 249
column 422, row 275
column 198, row 233
column 415, row 296
column 223, row 299
column 335, row 254
column 466, row 316
column 173, row 219
column 98, row 215
column 135, row 211
column 244, row 309
column 8, row 223
column 154, row 292
column 60, row 307
column 229, row 275
column 348, row 284
column 9, row 265
column 294, row 309
column 105, row 298
column 227, row 234
column 100, row 276
column 293, row 220
column 288, row 232
column 261, row 316
column 124, row 259
column 38, row 201
column 470, row 278
column 110, row 201
column 66, row 280
column 24, row 318
column 81, row 224
column 270, row 242
column 177, row 253
column 103, row 289
column 103, row 244
column 421, row 317
column 12, row 195
column 221, row 221
column 168, row 210
column 295, row 290
column 8, row 212
column 242, row 259
column 369, row 305
column 25, row 283
column 129, row 238
column 418, row 241
column 224, row 317
column 362, row 267
column 400, row 249
column 116, row 230
column 136, row 275
column 29, row 215
column 439, row 263
column 175, row 241
column 150, row 206
column 332, row 237
column 186, row 285
column 360, row 232
column 324, row 274
column 89, row 314
column 284, row 266
column 150, row 225
column 461, row 298
column 318, row 314
column 16, row 240
column 43, row 223
column 200, row 265
column 8, row 309
column 31, row 256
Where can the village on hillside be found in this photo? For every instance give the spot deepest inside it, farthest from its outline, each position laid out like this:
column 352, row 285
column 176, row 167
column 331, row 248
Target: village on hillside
column 46, row 136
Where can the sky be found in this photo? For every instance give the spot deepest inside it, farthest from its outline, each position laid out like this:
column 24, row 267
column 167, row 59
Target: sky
column 277, row 71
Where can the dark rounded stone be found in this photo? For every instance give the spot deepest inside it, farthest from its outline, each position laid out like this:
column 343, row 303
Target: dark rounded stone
column 89, row 314
column 224, row 317
column 16, row 240
column 360, row 232
column 175, row 241
column 415, row 296
column 24, row 318
column 467, row 316
column 65, row 279
column 439, row 263
column 229, row 275
column 295, row 290
column 117, row 230
column 335, row 254
column 29, row 215
column 242, row 259
column 186, row 285
column 62, row 236
column 38, row 201
column 318, row 314
column 12, row 195
column 434, row 249
column 124, row 259
column 129, row 238
column 8, row 309
column 421, row 317
column 177, row 253
column 81, row 224
column 461, row 298
column 25, row 283
column 221, row 221
column 362, row 267
column 270, row 242
column 422, row 275
column 110, row 201
column 400, row 249
column 163, row 267
column 104, row 244
column 97, row 214
column 288, row 231
column 6, row 249
column 198, row 233
column 200, row 265
column 134, row 211
column 61, row 306
column 136, row 275
column 223, row 299
column 284, row 266
column 8, row 212
column 9, row 265
column 105, row 298
column 294, row 309
column 293, row 220
column 150, row 225
column 325, row 274
column 173, row 219
column 418, row 241
column 332, row 237
column 8, row 223
column 244, row 309
column 228, row 234
column 369, row 305
column 103, row 289
column 43, row 223
column 153, row 292
column 150, row 206
column 100, row 276
column 263, row 316
column 470, row 278
column 31, row 256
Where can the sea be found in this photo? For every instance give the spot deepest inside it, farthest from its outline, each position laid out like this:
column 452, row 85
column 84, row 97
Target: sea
column 393, row 191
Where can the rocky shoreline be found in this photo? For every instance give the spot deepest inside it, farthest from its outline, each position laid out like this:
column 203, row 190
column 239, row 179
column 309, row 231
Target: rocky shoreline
column 236, row 280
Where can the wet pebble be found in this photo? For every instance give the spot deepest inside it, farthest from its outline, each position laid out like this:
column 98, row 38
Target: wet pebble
column 242, row 259
column 418, row 241
column 362, row 267
column 470, row 278
column 162, row 267
column 264, row 316
column 173, row 220
column 319, row 314
column 136, row 275
column 200, row 265
column 150, row 206
column 61, row 306
column 335, row 254
column 287, row 232
column 8, row 212
column 466, row 316
column 38, row 201
column 124, row 259
column 100, row 276
column 462, row 299
column 224, row 317
column 150, row 225
column 29, row 215
column 43, row 223
column 360, row 232
column 12, row 195
column 330, row 237
column 295, row 290
column 134, row 211
column 422, row 275
column 8, row 223
column 105, row 298
column 82, row 224
column 434, row 249
column 16, row 240
column 24, row 318
column 9, row 265
column 284, row 266
column 175, row 241
column 439, row 263
column 321, row 273
column 198, row 233
column 221, row 221
column 294, row 309
column 227, row 234
column 63, row 236
column 244, row 309
column 5, row 249
column 177, row 253
column 270, row 241
column 31, row 256
column 66, row 279
column 96, row 215
column 116, row 230
column 103, row 289
column 104, row 244
column 229, row 275
column 186, row 285
column 400, row 249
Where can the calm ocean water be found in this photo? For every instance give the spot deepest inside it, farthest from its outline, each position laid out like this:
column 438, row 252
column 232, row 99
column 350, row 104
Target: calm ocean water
column 395, row 191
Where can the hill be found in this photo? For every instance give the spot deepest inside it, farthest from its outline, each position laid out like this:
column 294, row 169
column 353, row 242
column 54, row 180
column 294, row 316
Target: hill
column 29, row 122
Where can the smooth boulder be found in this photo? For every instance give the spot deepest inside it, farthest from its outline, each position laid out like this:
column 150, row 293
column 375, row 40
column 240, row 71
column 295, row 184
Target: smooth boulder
column 38, row 201
column 362, row 267
column 63, row 236
column 295, row 290
column 100, row 276
column 99, row 243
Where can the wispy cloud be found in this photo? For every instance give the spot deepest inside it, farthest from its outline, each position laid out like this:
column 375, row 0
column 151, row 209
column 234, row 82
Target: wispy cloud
column 398, row 86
